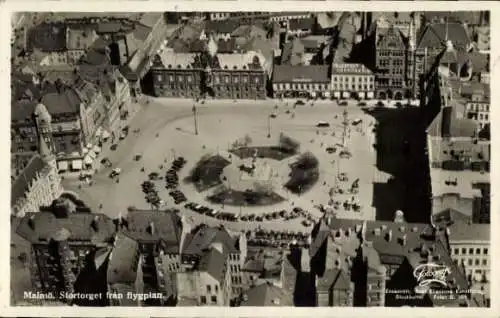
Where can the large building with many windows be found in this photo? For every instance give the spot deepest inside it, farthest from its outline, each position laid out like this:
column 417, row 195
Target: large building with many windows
column 352, row 80
column 302, row 81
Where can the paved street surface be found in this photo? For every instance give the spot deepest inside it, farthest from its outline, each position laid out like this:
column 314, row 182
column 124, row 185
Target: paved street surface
column 167, row 131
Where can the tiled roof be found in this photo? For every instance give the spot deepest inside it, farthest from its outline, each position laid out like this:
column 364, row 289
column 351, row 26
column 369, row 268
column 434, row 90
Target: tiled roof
column 267, row 295
column 122, row 266
column 249, row 31
column 350, row 68
column 174, row 60
column 465, row 180
column 301, row 24
column 150, row 19
column 228, row 46
column 80, row 39
column 462, row 231
column 213, row 263
column 306, row 73
column 64, row 102
column 248, row 60
column 480, row 62
column 334, row 278
column 221, row 27
column 435, row 35
column 200, row 240
column 449, row 216
column 22, row 183
column 328, row 19
column 47, row 37
column 41, row 227
column 22, row 110
column 167, row 227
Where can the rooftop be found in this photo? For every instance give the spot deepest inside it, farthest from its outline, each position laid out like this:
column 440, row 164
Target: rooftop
column 41, row 227
column 221, row 27
column 302, row 24
column 465, row 181
column 23, row 182
column 213, row 262
column 197, row 242
column 80, row 39
column 301, row 74
column 267, row 295
column 466, row 231
column 66, row 101
column 350, row 68
column 123, row 261
column 293, row 53
column 153, row 227
column 47, row 37
column 334, row 278
column 435, row 35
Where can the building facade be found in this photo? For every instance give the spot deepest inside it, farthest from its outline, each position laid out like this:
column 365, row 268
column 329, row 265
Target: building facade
column 301, row 81
column 352, row 80
column 470, row 248
column 478, row 108
column 221, row 76
column 390, row 63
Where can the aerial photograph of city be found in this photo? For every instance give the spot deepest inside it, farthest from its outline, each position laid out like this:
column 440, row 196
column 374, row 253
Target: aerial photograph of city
column 307, row 159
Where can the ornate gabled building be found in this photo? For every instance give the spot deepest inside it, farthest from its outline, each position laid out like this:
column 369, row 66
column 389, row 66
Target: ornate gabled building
column 221, row 76
column 390, row 64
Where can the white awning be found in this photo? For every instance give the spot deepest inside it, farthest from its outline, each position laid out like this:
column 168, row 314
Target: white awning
column 88, row 160
column 346, row 94
column 369, row 95
column 336, row 94
column 91, row 154
column 62, row 165
column 76, row 164
column 326, row 94
column 105, row 134
column 89, row 145
column 85, row 150
column 97, row 149
column 361, row 95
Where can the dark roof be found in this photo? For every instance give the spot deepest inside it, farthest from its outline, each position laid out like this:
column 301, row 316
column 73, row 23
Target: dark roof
column 466, row 231
column 336, row 278
column 268, row 295
column 22, row 110
column 123, row 261
column 250, row 31
column 304, row 73
column 197, row 242
column 167, row 228
column 41, row 227
column 435, row 35
column 221, row 27
column 301, row 24
column 449, row 216
column 47, row 37
column 228, row 46
column 213, row 263
column 65, row 102
column 27, row 176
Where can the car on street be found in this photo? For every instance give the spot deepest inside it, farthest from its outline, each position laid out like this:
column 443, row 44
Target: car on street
column 106, row 162
column 399, row 105
column 362, row 104
column 137, row 157
column 342, row 103
column 322, row 124
column 113, row 147
column 300, row 103
column 115, row 172
column 153, row 176
column 357, row 121
column 273, row 115
column 380, row 104
column 331, row 150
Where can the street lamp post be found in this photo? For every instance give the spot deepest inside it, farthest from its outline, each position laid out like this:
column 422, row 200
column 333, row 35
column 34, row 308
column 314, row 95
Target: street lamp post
column 195, row 120
column 269, row 126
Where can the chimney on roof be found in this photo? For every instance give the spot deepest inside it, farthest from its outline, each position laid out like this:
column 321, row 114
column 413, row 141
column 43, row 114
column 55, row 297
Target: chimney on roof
column 151, row 228
column 389, row 236
column 95, row 223
column 31, row 222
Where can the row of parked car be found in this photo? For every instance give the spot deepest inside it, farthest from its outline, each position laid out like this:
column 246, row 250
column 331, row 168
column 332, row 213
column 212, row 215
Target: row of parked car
column 178, row 196
column 172, row 177
column 151, row 194
column 280, row 239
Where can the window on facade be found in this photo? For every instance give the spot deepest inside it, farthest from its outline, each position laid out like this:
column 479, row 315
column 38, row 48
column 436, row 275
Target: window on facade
column 471, row 251
column 159, row 78
column 456, row 251
column 226, row 79
column 257, row 80
column 180, row 78
column 235, row 80
column 469, row 262
column 209, row 289
column 203, row 299
column 476, row 262
column 485, row 261
column 189, row 79
column 214, row 299
column 485, row 251
column 478, row 251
